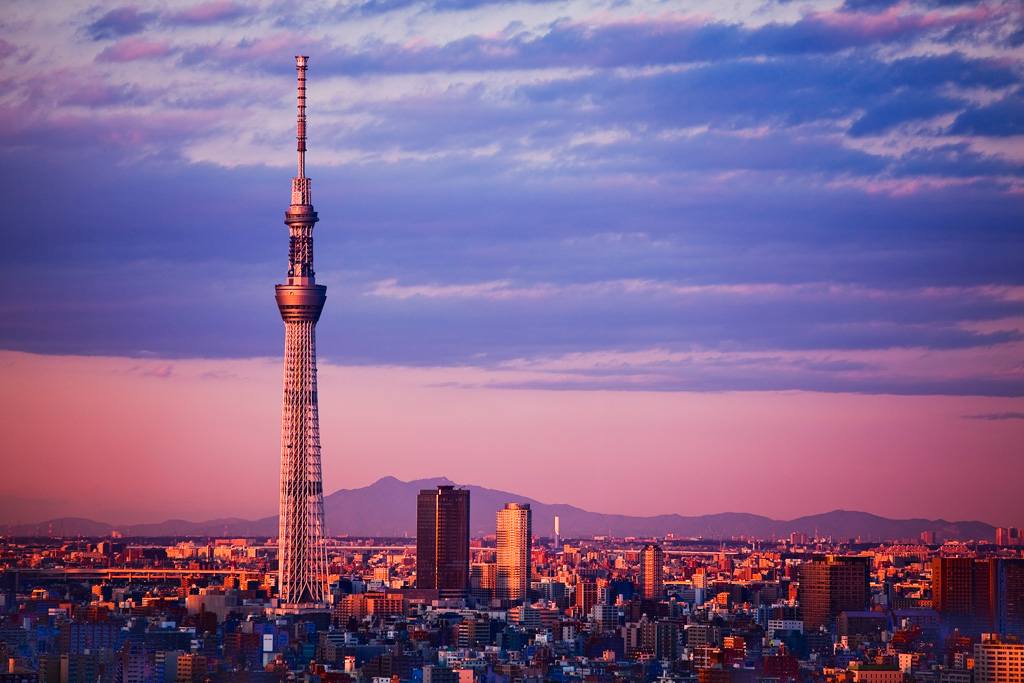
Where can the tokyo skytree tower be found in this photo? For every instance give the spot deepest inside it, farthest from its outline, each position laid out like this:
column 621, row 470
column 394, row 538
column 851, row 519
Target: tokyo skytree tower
column 302, row 557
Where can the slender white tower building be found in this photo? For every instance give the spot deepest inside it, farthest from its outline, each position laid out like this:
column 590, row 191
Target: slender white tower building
column 302, row 557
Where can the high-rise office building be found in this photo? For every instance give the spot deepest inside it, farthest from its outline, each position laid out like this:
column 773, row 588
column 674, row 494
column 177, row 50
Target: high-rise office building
column 1010, row 597
column 659, row 639
column 652, row 570
column 1008, row 536
column 483, row 580
column 442, row 539
column 830, row 585
column 976, row 596
column 964, row 594
column 302, row 556
column 584, row 598
column 515, row 539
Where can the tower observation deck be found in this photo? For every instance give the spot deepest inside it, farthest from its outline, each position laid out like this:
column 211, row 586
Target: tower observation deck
column 302, row 556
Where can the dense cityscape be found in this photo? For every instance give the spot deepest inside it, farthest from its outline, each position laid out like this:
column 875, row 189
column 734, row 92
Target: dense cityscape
column 521, row 605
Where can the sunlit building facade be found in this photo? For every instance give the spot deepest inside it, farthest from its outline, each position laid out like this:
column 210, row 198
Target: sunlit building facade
column 652, row 570
column 831, row 585
column 515, row 544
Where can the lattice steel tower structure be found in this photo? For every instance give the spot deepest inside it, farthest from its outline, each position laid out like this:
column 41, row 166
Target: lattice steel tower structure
column 302, row 557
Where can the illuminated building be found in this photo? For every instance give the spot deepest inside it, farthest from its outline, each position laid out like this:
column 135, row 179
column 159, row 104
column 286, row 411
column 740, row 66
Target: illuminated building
column 830, row 585
column 998, row 662
column 652, row 570
column 514, row 540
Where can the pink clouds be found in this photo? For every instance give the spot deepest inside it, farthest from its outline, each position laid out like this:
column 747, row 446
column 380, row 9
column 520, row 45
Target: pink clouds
column 209, row 13
column 267, row 50
column 764, row 291
column 120, row 21
column 51, row 108
column 6, row 49
column 129, row 20
column 127, row 130
column 497, row 289
column 135, row 48
column 76, row 86
column 895, row 22
column 162, row 371
column 917, row 186
column 658, row 369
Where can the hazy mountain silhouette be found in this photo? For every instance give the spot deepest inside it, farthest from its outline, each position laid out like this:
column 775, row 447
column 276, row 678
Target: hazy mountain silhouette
column 388, row 508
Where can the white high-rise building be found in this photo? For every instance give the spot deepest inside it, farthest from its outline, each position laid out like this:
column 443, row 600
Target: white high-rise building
column 515, row 543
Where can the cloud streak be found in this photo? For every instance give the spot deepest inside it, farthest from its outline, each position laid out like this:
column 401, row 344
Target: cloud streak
column 996, row 416
column 133, row 48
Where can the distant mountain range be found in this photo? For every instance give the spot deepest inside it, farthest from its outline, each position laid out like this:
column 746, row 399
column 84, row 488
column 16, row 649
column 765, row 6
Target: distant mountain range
column 388, row 508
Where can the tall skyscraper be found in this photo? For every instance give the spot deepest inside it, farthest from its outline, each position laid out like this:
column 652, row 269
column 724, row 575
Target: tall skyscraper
column 830, row 585
column 977, row 596
column 515, row 539
column 302, row 557
column 442, row 539
column 652, row 571
column 964, row 594
column 1010, row 596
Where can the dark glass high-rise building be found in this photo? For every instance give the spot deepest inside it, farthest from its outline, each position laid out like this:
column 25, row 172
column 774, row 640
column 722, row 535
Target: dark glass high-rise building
column 964, row 594
column 442, row 539
column 1010, row 591
column 830, row 585
column 976, row 596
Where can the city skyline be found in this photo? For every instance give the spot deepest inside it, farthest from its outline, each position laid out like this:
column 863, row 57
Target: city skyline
column 740, row 252
column 386, row 509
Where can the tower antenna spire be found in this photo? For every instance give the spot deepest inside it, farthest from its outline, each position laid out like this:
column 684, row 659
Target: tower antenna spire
column 300, row 66
column 300, row 184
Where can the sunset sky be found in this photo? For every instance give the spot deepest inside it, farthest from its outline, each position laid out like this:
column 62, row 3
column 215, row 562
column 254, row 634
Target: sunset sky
column 639, row 256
